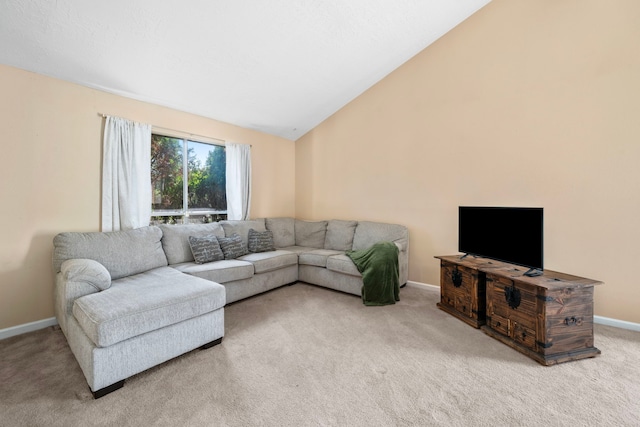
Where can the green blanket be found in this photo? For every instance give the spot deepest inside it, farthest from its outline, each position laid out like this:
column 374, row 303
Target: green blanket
column 380, row 273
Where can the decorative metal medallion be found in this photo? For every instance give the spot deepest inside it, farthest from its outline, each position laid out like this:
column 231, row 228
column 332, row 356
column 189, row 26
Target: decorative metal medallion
column 512, row 295
column 456, row 278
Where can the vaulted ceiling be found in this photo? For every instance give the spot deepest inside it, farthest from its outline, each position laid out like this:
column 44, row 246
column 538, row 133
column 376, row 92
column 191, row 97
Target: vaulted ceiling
column 277, row 66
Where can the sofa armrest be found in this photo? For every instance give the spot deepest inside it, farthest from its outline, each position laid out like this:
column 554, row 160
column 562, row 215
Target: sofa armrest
column 403, row 258
column 86, row 272
column 402, row 244
column 77, row 278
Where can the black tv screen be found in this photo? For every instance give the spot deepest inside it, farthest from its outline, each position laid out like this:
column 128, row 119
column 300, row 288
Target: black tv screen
column 509, row 234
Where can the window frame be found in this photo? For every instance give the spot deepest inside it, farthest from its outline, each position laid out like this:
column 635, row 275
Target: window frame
column 185, row 212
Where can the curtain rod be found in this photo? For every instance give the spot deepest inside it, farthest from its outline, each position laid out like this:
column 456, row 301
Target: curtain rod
column 104, row 116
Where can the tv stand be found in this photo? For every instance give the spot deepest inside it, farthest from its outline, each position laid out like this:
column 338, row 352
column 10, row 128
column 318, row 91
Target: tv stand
column 548, row 317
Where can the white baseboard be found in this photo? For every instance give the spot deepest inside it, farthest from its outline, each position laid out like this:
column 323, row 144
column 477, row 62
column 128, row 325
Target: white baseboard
column 423, row 286
column 623, row 324
column 27, row 327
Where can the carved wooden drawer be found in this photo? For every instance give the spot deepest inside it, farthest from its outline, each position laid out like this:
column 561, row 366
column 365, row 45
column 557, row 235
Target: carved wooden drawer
column 511, row 328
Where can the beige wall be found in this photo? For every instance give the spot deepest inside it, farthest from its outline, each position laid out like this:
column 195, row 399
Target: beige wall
column 527, row 103
column 50, row 175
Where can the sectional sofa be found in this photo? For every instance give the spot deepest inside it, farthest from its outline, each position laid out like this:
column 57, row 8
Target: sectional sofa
column 129, row 300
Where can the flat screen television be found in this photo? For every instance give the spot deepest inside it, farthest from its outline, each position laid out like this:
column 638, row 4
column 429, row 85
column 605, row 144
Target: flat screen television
column 508, row 234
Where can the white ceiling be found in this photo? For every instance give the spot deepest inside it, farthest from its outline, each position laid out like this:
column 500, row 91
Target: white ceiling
column 277, row 66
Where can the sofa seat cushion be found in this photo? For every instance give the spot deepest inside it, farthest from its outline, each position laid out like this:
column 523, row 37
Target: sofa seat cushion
column 317, row 257
column 269, row 261
column 218, row 271
column 342, row 264
column 145, row 302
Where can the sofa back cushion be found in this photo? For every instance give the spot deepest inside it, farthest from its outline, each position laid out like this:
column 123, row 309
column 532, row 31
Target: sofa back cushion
column 284, row 232
column 367, row 233
column 175, row 239
column 122, row 253
column 241, row 228
column 310, row 233
column 340, row 235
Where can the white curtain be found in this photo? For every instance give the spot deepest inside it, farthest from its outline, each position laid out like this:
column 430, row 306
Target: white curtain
column 126, row 175
column 238, row 157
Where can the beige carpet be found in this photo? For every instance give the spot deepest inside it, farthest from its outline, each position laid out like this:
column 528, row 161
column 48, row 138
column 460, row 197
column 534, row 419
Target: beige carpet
column 306, row 356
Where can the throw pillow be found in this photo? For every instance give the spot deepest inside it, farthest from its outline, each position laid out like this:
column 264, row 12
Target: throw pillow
column 241, row 227
column 232, row 246
column 175, row 239
column 205, row 249
column 260, row 241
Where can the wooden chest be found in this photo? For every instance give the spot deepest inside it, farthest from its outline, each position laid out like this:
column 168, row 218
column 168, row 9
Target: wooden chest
column 549, row 318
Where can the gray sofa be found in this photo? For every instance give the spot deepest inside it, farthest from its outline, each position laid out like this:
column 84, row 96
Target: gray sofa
column 307, row 251
column 129, row 300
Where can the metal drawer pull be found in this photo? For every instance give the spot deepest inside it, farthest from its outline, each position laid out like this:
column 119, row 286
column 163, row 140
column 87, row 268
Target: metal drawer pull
column 573, row 321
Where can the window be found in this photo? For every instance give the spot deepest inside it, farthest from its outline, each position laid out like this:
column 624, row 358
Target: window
column 187, row 180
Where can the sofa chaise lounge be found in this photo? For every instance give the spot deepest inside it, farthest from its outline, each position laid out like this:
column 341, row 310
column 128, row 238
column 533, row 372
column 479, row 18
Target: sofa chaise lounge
column 129, row 300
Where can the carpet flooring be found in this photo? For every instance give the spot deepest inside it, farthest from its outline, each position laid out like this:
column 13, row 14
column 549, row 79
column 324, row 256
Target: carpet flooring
column 306, row 356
